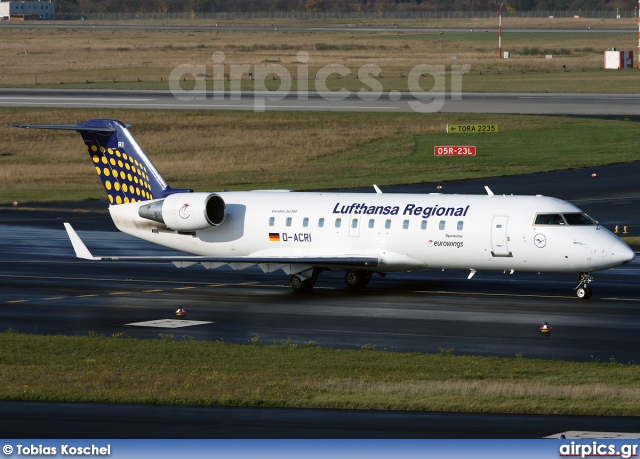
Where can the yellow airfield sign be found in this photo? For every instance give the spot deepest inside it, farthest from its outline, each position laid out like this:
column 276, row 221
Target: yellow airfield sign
column 471, row 128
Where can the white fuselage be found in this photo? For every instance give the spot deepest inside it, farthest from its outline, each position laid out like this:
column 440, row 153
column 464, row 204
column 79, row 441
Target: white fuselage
column 403, row 231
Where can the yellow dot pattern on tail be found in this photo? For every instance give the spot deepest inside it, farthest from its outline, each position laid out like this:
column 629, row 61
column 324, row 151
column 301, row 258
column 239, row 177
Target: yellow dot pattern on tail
column 124, row 177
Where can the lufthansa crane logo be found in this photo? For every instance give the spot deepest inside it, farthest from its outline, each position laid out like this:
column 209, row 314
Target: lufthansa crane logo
column 540, row 240
column 184, row 211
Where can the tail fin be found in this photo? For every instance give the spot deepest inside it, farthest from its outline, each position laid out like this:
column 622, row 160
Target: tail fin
column 126, row 172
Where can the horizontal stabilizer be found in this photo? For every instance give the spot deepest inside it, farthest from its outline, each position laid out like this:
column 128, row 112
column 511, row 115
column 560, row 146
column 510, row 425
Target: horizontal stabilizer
column 67, row 127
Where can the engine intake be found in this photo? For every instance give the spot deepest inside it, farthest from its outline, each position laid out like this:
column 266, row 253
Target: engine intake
column 186, row 211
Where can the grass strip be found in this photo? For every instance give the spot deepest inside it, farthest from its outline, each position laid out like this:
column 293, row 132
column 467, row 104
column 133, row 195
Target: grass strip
column 286, row 374
column 211, row 150
column 149, row 59
column 632, row 241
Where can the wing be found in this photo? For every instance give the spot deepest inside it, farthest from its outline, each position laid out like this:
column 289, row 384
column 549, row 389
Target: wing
column 289, row 265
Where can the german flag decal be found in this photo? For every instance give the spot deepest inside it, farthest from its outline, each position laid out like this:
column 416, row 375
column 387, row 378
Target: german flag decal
column 274, row 237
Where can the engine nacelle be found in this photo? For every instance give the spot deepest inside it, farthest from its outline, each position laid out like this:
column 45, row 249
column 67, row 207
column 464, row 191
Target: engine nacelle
column 186, row 211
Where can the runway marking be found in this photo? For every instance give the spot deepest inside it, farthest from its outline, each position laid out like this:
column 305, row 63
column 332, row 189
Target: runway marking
column 86, row 296
column 190, row 285
column 169, row 323
column 620, row 299
column 183, row 288
column 53, row 298
column 94, row 99
column 510, row 295
column 38, row 104
column 248, row 106
column 104, row 279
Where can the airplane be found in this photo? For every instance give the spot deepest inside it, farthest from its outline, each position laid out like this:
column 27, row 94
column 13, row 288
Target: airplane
column 361, row 234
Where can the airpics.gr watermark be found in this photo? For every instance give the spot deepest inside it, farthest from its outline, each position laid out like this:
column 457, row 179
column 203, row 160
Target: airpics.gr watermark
column 422, row 100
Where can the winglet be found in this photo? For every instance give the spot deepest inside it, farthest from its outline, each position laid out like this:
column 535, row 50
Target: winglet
column 79, row 247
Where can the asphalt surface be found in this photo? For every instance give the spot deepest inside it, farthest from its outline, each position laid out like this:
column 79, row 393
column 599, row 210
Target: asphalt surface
column 220, row 26
column 614, row 105
column 93, row 420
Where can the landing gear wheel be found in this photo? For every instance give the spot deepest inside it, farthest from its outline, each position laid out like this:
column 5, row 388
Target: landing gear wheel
column 301, row 286
column 357, row 279
column 584, row 293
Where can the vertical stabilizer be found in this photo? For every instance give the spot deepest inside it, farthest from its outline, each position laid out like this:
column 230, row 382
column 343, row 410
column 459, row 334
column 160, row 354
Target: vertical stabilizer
column 124, row 169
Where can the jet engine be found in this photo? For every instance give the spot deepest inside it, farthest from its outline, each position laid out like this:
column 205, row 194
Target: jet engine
column 186, row 211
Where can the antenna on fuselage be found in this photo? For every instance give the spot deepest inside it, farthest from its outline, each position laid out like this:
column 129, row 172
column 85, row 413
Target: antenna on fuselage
column 489, row 192
column 375, row 187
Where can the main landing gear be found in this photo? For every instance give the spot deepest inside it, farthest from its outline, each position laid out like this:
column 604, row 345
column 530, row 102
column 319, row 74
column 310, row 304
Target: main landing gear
column 357, row 279
column 583, row 291
column 354, row 279
column 300, row 285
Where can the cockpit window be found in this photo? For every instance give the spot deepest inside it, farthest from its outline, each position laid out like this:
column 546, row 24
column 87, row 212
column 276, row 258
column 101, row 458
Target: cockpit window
column 549, row 219
column 579, row 219
column 573, row 219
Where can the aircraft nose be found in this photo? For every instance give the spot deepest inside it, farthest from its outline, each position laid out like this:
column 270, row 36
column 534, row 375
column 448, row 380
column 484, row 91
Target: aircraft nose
column 621, row 252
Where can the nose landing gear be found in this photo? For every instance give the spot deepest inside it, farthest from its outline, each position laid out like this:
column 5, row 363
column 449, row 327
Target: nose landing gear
column 583, row 291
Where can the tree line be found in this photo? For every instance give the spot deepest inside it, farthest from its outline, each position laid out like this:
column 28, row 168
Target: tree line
column 241, row 6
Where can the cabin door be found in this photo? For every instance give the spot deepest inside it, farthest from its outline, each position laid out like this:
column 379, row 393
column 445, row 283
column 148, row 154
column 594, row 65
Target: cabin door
column 499, row 239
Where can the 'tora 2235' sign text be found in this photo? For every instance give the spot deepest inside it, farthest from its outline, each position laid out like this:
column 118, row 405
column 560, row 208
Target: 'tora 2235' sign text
column 454, row 151
column 471, row 128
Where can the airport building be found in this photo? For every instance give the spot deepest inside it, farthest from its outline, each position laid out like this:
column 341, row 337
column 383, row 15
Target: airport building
column 23, row 11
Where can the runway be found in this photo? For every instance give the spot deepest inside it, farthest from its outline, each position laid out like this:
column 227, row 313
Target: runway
column 620, row 105
column 428, row 29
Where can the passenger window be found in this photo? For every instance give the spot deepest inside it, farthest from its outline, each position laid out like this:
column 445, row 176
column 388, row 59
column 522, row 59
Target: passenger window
column 321, row 223
column 460, row 225
column 305, row 222
column 288, row 221
column 549, row 219
column 354, row 223
column 272, row 221
column 442, row 223
column 423, row 225
column 387, row 224
column 405, row 224
column 338, row 222
column 371, row 223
